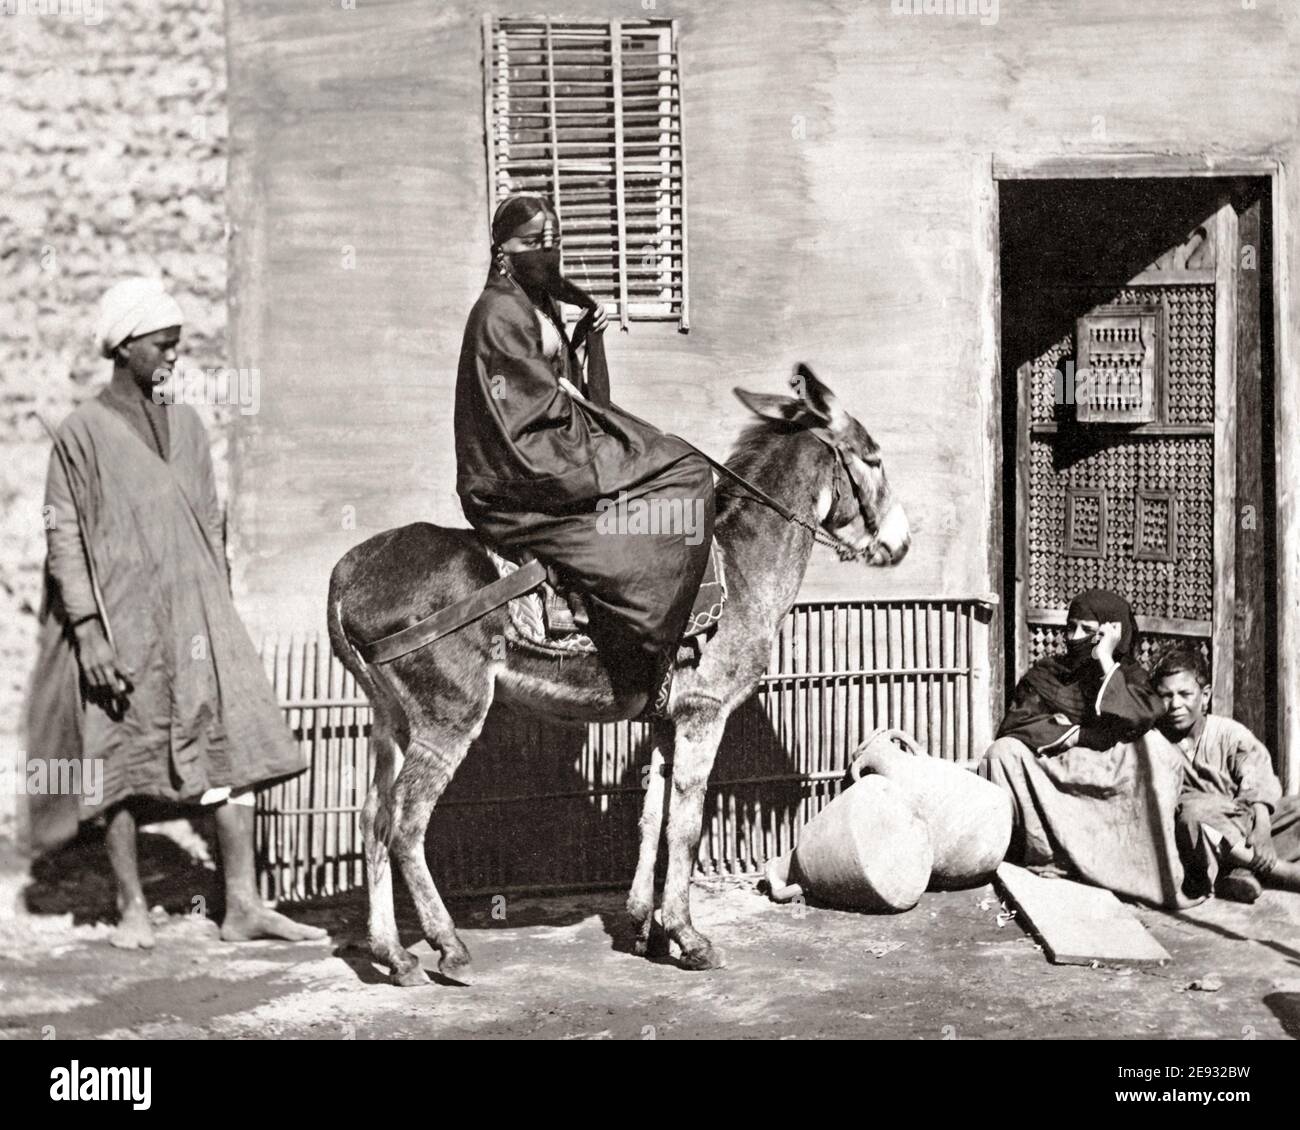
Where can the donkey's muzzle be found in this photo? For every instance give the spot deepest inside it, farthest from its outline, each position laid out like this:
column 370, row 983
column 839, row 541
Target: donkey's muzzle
column 893, row 538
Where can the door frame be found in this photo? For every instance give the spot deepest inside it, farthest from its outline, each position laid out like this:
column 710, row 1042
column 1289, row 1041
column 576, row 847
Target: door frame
column 1286, row 400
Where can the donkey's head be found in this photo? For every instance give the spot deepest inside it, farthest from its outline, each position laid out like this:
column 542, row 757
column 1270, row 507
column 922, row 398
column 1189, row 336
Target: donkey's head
column 856, row 506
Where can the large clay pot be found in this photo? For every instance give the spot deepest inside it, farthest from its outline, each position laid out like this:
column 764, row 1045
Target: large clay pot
column 968, row 818
column 866, row 850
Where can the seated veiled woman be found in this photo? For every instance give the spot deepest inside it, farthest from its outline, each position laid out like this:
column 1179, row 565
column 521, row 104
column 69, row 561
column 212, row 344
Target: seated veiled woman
column 1093, row 784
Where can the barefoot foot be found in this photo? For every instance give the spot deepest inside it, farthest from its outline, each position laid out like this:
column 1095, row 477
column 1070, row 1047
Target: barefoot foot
column 247, row 924
column 133, row 931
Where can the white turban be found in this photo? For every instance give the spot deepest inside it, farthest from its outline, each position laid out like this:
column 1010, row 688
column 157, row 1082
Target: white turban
column 134, row 307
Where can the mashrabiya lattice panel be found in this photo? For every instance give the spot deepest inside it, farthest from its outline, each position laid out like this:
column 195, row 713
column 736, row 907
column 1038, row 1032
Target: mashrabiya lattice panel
column 1182, row 588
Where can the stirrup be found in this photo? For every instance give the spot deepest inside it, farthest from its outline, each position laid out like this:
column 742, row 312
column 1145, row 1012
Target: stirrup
column 657, row 703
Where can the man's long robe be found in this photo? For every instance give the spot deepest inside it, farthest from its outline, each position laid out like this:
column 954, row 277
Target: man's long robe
column 534, row 462
column 202, row 714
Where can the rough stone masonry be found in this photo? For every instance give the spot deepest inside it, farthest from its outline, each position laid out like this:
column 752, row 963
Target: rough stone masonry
column 112, row 162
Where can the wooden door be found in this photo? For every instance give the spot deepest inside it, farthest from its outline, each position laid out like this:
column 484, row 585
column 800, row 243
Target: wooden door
column 1126, row 382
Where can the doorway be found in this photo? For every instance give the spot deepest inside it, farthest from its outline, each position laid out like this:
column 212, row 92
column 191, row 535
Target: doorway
column 1137, row 410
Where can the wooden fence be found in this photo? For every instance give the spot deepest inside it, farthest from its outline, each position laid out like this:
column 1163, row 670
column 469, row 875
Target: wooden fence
column 536, row 806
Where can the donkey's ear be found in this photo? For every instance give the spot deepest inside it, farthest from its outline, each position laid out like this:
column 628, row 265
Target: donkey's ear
column 783, row 409
column 819, row 398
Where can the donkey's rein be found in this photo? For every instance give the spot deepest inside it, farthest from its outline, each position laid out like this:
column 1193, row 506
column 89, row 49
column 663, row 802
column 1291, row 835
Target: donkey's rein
column 843, row 549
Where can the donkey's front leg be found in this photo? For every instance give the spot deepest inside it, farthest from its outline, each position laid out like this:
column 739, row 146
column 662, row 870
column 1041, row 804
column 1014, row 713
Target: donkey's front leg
column 641, row 898
column 694, row 749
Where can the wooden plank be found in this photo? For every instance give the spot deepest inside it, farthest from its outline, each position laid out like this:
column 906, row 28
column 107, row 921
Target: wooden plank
column 987, row 695
column 1053, row 166
column 620, row 183
column 489, row 126
column 1250, row 660
column 1077, row 924
column 553, row 127
column 1161, row 625
column 684, row 322
column 1225, row 463
column 1024, row 376
column 1286, row 424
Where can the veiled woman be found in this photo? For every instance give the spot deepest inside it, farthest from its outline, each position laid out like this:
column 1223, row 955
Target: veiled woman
column 1093, row 784
column 540, row 451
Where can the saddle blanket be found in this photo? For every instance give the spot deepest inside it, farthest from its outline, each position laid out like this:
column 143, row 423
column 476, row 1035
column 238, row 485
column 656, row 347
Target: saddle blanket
column 542, row 616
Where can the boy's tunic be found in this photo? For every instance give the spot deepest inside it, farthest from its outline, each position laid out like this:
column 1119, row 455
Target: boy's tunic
column 202, row 714
column 1227, row 770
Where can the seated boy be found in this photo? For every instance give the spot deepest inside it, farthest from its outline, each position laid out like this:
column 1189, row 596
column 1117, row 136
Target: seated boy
column 1228, row 788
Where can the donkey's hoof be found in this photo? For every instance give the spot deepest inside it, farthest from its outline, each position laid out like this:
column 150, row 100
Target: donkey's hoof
column 706, row 956
column 455, row 963
column 457, row 968
column 651, row 942
column 412, row 978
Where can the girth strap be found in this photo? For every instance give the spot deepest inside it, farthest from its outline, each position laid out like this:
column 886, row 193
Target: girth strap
column 455, row 616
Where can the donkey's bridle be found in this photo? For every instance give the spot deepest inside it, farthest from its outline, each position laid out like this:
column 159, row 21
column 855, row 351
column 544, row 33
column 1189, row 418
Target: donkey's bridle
column 845, row 550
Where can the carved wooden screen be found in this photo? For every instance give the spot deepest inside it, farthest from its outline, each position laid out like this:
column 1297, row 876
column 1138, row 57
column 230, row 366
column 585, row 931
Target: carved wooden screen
column 1121, row 494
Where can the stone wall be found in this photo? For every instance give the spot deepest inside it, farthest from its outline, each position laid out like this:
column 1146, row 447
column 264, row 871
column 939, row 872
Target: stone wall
column 112, row 163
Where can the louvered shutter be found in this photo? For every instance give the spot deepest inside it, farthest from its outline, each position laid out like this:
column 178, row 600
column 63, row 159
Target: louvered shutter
column 589, row 114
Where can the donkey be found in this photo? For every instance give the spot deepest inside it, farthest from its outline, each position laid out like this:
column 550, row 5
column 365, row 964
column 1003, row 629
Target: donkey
column 806, row 452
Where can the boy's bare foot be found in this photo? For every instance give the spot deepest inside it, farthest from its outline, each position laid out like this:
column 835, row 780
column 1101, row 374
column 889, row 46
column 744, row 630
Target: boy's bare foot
column 133, row 931
column 1239, row 885
column 248, row 924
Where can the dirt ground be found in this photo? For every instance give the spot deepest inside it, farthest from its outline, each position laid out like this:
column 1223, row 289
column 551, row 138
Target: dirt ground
column 560, row 968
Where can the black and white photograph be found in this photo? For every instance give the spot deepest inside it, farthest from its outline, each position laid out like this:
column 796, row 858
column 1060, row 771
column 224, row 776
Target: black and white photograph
column 616, row 520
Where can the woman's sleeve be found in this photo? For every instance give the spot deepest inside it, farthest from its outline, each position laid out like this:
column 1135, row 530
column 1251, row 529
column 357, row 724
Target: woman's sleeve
column 65, row 553
column 523, row 392
column 1127, row 702
column 1029, row 719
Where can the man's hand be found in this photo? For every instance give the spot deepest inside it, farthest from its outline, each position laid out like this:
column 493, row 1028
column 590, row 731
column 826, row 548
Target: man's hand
column 99, row 662
column 1260, row 841
column 1108, row 637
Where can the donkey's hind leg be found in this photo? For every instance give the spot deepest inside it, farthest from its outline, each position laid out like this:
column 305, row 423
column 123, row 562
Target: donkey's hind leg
column 431, row 759
column 376, row 828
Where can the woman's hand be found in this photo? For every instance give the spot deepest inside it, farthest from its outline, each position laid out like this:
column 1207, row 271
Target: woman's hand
column 1108, row 636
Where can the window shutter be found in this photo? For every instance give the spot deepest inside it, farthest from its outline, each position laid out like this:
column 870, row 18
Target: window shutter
column 589, row 113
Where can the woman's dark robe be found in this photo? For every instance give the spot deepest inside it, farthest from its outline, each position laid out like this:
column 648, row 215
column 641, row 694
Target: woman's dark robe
column 202, row 714
column 533, row 462
column 1103, row 811
column 1121, row 711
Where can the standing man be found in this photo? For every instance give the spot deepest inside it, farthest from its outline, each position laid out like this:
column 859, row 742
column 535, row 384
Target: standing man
column 143, row 664
column 537, row 466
